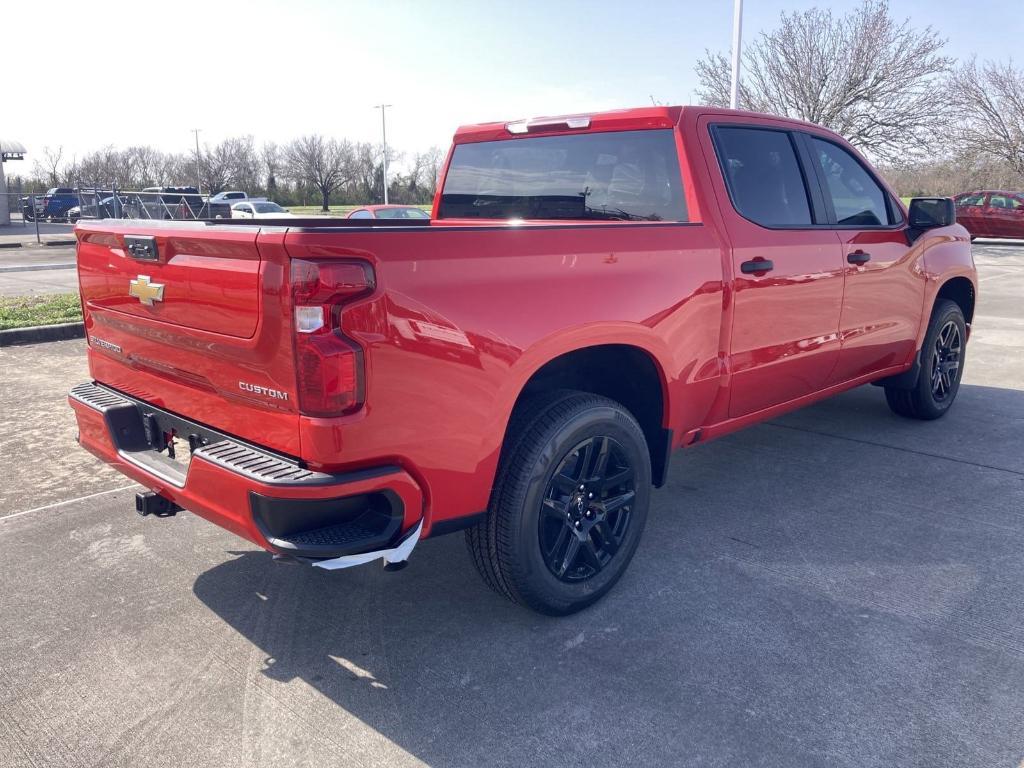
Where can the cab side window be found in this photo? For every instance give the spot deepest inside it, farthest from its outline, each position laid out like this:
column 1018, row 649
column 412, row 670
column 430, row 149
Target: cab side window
column 763, row 176
column 856, row 197
column 970, row 201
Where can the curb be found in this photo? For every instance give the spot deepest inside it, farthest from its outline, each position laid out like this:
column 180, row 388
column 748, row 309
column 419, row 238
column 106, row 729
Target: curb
column 43, row 244
column 40, row 333
column 34, row 267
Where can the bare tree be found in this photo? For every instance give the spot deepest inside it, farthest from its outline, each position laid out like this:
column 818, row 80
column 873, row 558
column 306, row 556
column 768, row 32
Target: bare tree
column 51, row 165
column 270, row 156
column 989, row 100
column 322, row 162
column 873, row 80
column 433, row 160
column 146, row 166
column 366, row 172
column 231, row 163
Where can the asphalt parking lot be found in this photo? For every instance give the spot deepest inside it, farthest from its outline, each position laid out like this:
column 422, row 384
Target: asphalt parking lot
column 839, row 587
column 28, row 267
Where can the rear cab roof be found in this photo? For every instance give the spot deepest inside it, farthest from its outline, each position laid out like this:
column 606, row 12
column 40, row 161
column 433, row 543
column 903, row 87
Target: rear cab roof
column 635, row 119
column 678, row 118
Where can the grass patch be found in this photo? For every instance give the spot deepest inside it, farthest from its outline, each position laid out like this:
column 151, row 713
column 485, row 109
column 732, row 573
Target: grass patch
column 42, row 309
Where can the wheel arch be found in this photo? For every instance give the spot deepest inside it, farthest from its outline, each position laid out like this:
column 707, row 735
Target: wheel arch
column 959, row 290
column 597, row 368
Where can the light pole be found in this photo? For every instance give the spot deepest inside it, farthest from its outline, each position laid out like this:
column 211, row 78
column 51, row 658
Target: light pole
column 384, row 136
column 737, row 26
column 199, row 183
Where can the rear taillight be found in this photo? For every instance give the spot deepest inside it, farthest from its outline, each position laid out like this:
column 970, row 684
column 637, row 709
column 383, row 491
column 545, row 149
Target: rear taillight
column 329, row 366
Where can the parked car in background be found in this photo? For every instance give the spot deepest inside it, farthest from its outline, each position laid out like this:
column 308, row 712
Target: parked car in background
column 179, row 203
column 127, row 208
column 991, row 213
column 172, row 203
column 228, row 197
column 388, row 212
column 54, row 205
column 105, row 208
column 259, row 209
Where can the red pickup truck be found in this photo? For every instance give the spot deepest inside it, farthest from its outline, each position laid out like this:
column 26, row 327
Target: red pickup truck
column 590, row 293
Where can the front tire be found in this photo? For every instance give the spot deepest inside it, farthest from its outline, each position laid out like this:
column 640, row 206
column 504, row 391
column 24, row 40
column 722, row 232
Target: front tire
column 942, row 366
column 569, row 503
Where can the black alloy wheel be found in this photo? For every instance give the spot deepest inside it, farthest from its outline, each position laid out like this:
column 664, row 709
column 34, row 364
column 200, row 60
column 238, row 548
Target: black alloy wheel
column 942, row 367
column 586, row 509
column 569, row 502
column 946, row 360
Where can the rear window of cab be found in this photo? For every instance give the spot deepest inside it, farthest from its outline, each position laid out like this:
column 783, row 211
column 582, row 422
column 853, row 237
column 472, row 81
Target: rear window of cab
column 608, row 176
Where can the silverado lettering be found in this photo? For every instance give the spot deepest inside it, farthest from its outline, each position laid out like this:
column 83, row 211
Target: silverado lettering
column 590, row 293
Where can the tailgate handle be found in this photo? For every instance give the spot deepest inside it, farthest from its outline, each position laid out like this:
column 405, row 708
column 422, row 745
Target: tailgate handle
column 142, row 248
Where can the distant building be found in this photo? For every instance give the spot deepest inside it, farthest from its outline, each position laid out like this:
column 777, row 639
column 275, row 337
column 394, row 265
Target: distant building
column 9, row 150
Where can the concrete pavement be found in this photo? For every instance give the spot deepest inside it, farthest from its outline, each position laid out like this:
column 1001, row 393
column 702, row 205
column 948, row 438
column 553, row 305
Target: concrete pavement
column 35, row 270
column 25, row 235
column 38, row 269
column 840, row 587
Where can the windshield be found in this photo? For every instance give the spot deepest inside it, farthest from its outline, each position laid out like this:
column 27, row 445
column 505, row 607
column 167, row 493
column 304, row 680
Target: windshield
column 617, row 176
column 268, row 208
column 402, row 213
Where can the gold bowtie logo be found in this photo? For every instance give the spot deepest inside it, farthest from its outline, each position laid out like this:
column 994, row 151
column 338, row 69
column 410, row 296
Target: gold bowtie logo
column 145, row 291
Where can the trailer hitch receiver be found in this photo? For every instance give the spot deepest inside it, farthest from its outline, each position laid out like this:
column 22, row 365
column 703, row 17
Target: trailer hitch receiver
column 151, row 503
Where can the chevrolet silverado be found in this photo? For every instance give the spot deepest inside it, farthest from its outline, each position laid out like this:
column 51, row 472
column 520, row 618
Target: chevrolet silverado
column 590, row 293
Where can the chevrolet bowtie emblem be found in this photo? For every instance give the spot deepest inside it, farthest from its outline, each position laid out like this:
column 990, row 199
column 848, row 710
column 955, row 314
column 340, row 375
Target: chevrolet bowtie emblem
column 145, row 291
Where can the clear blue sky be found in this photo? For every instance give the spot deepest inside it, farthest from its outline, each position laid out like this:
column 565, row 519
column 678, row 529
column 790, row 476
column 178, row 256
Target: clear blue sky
column 309, row 65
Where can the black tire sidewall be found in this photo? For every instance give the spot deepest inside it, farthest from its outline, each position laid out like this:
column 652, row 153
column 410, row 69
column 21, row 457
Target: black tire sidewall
column 536, row 584
column 926, row 401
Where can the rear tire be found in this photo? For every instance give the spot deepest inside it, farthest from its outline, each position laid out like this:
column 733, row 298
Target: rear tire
column 942, row 366
column 569, row 503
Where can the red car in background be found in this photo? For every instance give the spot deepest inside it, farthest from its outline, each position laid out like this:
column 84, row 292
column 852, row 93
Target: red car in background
column 989, row 213
column 388, row 212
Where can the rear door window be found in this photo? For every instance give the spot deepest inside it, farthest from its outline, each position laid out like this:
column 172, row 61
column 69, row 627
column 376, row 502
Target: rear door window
column 857, row 198
column 1005, row 201
column 763, row 176
column 608, row 176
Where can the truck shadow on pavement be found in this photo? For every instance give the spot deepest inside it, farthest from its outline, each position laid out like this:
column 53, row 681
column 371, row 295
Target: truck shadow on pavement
column 839, row 586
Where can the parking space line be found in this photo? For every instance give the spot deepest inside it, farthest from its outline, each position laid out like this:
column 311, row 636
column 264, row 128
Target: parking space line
column 68, row 501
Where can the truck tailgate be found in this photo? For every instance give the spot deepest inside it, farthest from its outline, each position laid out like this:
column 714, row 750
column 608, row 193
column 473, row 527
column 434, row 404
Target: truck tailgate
column 215, row 277
column 194, row 319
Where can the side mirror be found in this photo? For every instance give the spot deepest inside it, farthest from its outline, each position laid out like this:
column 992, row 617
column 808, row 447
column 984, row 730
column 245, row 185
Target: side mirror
column 931, row 212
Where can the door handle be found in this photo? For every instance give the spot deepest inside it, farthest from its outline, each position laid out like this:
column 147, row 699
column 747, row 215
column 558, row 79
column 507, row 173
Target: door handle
column 756, row 265
column 858, row 257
